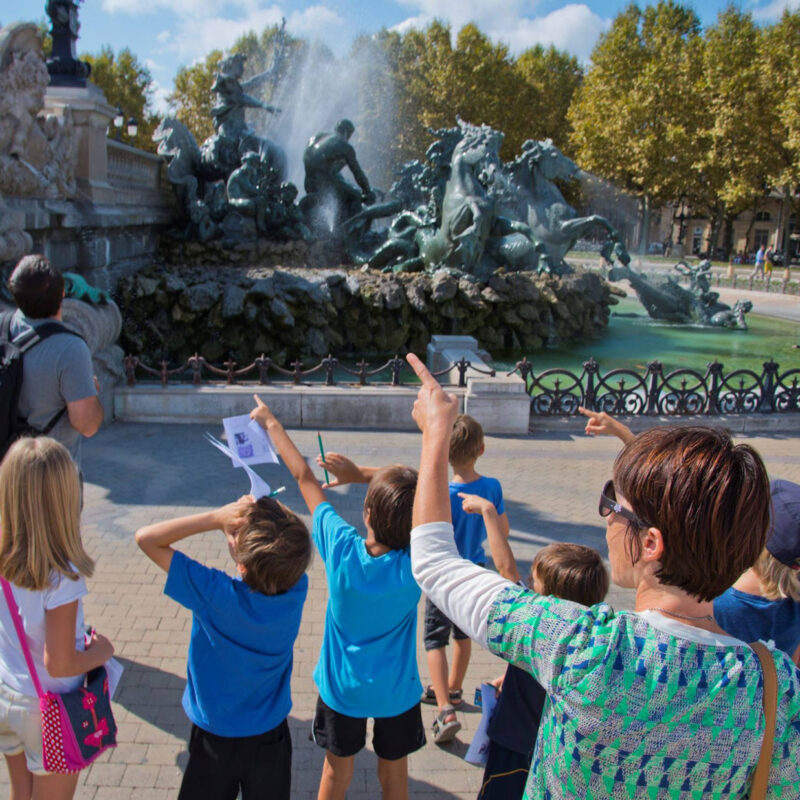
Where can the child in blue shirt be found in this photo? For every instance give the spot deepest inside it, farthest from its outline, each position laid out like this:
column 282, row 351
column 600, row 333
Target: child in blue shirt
column 765, row 602
column 240, row 653
column 367, row 665
column 466, row 446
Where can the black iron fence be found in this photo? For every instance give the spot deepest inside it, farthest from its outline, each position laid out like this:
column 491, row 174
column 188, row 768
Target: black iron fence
column 554, row 392
column 654, row 392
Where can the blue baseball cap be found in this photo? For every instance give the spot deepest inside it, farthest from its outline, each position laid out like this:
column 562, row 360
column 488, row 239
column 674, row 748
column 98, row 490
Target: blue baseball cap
column 783, row 541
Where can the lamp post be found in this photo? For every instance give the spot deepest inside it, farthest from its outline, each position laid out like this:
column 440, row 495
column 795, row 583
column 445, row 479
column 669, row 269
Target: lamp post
column 119, row 120
column 133, row 127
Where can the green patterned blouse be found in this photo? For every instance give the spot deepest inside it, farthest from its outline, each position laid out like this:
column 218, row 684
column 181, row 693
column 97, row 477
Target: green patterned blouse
column 637, row 710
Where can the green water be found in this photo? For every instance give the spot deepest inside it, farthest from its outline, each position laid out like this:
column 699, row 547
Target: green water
column 633, row 341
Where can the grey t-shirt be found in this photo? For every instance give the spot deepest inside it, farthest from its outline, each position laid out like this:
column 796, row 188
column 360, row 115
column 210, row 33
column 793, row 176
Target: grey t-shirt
column 55, row 372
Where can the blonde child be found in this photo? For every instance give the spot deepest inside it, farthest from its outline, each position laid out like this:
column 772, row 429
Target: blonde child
column 43, row 559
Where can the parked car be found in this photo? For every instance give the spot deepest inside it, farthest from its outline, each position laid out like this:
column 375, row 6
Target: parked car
column 655, row 249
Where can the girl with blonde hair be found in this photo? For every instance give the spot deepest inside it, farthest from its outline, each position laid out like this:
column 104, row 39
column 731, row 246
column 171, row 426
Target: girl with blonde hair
column 43, row 560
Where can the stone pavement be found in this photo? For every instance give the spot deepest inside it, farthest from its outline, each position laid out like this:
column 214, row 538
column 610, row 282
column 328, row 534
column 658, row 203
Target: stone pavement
column 137, row 474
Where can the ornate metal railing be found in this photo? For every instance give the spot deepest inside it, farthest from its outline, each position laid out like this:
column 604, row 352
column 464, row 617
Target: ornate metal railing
column 559, row 392
column 263, row 367
column 554, row 392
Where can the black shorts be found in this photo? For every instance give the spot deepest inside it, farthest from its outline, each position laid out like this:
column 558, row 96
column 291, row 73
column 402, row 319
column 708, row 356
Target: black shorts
column 438, row 627
column 505, row 774
column 392, row 737
column 219, row 766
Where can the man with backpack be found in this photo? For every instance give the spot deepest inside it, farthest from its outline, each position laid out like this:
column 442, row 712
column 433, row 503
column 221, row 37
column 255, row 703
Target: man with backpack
column 58, row 392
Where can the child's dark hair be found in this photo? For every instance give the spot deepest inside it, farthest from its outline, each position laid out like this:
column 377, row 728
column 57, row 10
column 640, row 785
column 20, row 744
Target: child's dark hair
column 572, row 572
column 389, row 501
column 467, row 440
column 273, row 546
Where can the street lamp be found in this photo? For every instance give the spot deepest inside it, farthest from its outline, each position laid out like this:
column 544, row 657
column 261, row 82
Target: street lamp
column 119, row 120
column 133, row 127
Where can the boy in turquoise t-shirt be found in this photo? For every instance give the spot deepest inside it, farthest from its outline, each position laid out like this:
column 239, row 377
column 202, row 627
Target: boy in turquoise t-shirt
column 466, row 447
column 367, row 665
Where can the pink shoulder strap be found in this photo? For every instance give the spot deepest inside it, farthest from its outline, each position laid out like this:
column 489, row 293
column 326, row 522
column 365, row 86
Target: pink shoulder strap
column 17, row 619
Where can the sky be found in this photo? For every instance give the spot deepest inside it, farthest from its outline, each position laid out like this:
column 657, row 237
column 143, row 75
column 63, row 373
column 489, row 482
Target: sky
column 168, row 34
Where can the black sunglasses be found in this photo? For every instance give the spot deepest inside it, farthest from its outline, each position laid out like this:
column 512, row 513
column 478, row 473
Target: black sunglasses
column 608, row 503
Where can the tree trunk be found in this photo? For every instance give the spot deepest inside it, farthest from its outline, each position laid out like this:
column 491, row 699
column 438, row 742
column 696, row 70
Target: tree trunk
column 785, row 216
column 750, row 228
column 716, row 223
column 727, row 237
column 644, row 236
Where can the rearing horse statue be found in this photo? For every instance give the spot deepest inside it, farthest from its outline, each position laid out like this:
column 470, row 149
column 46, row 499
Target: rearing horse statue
column 552, row 220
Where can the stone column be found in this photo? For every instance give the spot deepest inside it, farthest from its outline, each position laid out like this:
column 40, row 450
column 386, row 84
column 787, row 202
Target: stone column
column 91, row 116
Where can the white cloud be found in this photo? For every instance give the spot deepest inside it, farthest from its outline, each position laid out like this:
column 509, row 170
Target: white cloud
column 773, row 10
column 204, row 25
column 574, row 27
column 158, row 98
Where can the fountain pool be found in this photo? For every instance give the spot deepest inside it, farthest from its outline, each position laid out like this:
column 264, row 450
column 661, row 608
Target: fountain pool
column 633, row 339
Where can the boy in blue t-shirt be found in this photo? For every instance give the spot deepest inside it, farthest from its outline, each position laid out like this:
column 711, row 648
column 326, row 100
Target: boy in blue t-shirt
column 239, row 667
column 466, row 447
column 368, row 664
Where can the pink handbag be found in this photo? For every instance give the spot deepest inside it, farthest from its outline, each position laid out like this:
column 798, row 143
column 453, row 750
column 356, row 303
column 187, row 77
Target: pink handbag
column 76, row 726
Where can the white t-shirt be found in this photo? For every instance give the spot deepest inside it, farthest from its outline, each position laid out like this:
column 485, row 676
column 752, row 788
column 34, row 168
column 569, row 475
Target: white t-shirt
column 32, row 606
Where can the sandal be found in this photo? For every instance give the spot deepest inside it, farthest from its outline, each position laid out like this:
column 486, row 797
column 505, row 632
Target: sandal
column 445, row 731
column 429, row 696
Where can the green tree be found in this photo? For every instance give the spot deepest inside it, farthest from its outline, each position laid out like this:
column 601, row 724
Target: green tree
column 127, row 84
column 192, row 97
column 780, row 123
column 554, row 77
column 730, row 173
column 634, row 117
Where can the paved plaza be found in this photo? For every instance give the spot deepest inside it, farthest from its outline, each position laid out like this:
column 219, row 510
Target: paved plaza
column 137, row 474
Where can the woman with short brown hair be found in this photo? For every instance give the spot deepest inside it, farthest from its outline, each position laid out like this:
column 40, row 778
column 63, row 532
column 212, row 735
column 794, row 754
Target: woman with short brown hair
column 653, row 702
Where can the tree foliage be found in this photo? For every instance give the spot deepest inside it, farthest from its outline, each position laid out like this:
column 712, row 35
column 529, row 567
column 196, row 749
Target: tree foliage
column 633, row 117
column 127, row 84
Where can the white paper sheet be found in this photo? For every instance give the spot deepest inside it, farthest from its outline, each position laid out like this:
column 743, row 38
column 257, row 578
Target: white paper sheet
column 258, row 487
column 248, row 441
column 479, row 748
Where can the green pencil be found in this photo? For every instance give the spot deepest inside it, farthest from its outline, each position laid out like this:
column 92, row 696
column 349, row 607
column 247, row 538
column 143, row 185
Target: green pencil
column 322, row 453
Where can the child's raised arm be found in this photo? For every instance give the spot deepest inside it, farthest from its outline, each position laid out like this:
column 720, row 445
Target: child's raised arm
column 496, row 532
column 301, row 472
column 344, row 470
column 156, row 540
column 601, row 424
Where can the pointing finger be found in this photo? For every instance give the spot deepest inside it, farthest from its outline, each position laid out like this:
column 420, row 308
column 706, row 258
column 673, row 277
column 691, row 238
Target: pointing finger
column 421, row 370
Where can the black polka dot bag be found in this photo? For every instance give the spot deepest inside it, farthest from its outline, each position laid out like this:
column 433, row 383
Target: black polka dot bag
column 76, row 726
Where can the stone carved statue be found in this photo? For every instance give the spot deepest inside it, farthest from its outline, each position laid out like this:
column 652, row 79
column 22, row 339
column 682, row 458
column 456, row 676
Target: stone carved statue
column 664, row 298
column 15, row 242
column 37, row 153
column 330, row 199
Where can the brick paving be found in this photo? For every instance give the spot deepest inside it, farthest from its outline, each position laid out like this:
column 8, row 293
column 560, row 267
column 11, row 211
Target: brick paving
column 137, row 474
